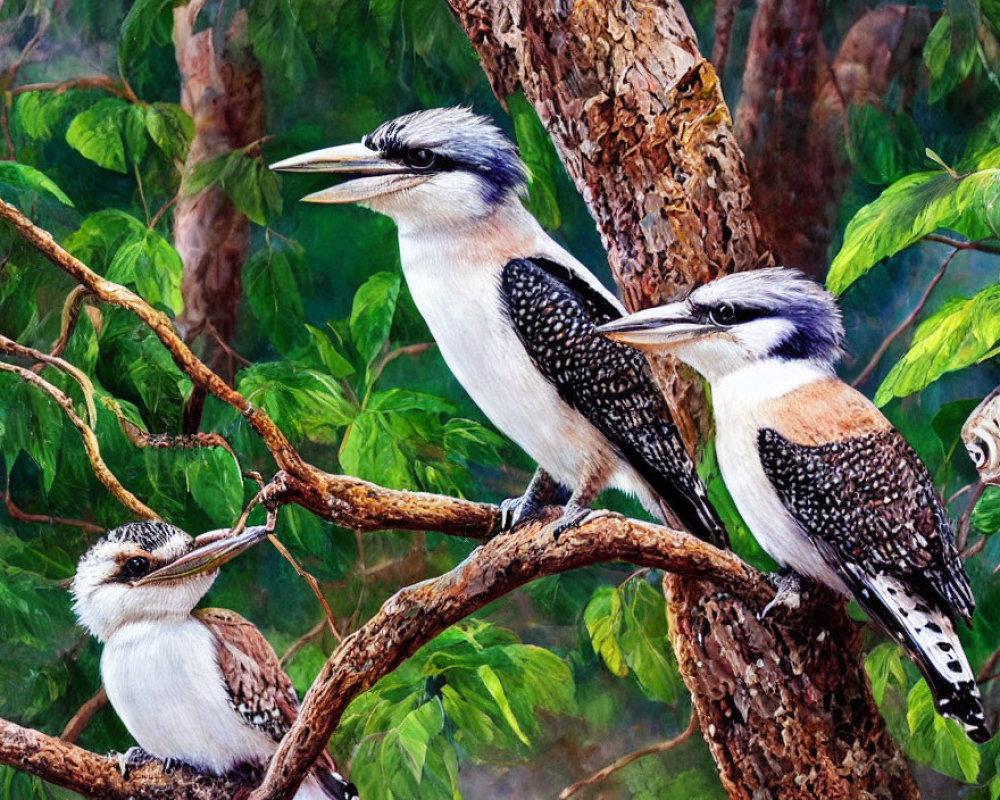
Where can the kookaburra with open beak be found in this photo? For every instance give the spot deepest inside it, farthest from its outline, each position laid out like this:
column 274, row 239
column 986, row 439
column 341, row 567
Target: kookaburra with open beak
column 514, row 315
column 204, row 687
column 827, row 486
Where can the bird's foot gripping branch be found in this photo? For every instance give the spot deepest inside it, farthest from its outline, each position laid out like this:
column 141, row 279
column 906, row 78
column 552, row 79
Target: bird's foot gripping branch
column 409, row 619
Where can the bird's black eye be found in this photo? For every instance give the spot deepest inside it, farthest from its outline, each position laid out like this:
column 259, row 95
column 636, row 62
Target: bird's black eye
column 135, row 567
column 723, row 314
column 420, row 158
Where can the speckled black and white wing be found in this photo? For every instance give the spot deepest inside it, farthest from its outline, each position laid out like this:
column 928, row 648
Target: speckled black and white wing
column 869, row 505
column 870, row 500
column 260, row 691
column 554, row 312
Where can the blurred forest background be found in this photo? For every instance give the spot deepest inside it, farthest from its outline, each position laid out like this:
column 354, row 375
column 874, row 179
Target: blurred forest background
column 867, row 127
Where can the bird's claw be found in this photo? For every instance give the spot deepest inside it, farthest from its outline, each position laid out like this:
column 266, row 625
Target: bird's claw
column 790, row 587
column 515, row 510
column 574, row 516
column 131, row 758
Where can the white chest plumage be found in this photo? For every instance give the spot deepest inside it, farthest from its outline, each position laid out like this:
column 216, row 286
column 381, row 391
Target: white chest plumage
column 740, row 401
column 163, row 679
column 455, row 283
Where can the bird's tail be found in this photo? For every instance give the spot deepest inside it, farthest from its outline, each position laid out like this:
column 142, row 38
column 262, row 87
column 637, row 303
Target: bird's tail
column 326, row 784
column 928, row 635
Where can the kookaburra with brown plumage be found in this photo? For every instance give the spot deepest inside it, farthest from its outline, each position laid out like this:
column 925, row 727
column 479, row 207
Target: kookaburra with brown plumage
column 199, row 687
column 514, row 316
column 827, row 486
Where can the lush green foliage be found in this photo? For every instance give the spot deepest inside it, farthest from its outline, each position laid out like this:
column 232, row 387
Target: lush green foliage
column 574, row 670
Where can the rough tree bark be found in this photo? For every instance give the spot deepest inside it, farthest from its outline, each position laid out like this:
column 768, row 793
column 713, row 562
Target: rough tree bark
column 792, row 113
column 639, row 121
column 223, row 93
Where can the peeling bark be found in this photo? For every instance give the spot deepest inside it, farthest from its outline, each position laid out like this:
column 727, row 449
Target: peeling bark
column 639, row 121
column 223, row 93
column 792, row 114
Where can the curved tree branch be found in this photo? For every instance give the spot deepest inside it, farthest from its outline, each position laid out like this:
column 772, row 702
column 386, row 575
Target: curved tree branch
column 406, row 621
column 416, row 614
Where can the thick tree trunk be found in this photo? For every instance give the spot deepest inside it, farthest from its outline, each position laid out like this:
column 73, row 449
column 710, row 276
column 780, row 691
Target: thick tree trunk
column 640, row 123
column 791, row 117
column 223, row 93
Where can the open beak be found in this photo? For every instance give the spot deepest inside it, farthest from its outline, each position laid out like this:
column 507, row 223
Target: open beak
column 378, row 175
column 207, row 558
column 656, row 328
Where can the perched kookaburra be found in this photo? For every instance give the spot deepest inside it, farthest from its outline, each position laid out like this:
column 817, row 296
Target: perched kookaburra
column 981, row 435
column 204, row 687
column 827, row 486
column 514, row 316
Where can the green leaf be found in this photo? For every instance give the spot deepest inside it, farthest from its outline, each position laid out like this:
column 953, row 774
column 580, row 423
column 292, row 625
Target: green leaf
column 275, row 298
column 331, row 358
column 32, row 422
column 910, row 209
column 37, row 113
column 646, row 644
column 139, row 27
column 372, row 451
column 372, row 313
column 151, row 263
column 961, row 333
column 97, row 133
column 986, row 514
column 279, row 42
column 883, row 147
column 415, row 733
column 540, row 157
column 170, row 128
column 22, row 176
column 884, row 666
column 253, row 188
column 493, row 685
column 938, row 741
column 602, row 616
column 214, row 481
column 303, row 402
column 950, row 50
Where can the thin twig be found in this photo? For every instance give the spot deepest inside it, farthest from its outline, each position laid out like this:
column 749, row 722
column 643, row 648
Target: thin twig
column 965, row 521
column 71, row 733
column 163, row 210
column 313, row 584
column 624, row 761
column 392, row 355
column 959, row 492
column 982, row 245
column 104, row 475
column 116, row 86
column 315, row 632
column 24, row 516
column 975, row 549
column 986, row 670
column 906, row 323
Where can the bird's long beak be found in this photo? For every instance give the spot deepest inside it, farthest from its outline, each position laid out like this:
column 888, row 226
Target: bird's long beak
column 208, row 557
column 656, row 328
column 379, row 176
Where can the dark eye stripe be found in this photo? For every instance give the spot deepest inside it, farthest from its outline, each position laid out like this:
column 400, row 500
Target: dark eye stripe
column 737, row 316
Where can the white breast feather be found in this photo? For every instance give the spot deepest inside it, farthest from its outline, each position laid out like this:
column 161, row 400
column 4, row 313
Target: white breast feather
column 164, row 681
column 738, row 401
column 454, row 278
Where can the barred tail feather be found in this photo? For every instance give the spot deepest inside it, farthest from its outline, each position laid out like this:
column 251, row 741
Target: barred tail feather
column 325, row 784
column 927, row 634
